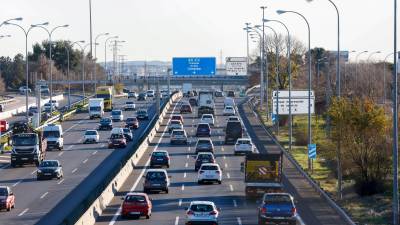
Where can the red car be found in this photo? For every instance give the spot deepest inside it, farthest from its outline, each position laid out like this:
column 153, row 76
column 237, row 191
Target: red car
column 117, row 141
column 177, row 117
column 7, row 198
column 132, row 122
column 186, row 108
column 136, row 205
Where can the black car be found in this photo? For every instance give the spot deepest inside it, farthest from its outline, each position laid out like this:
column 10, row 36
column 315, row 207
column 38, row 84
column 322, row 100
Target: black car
column 142, row 114
column 234, row 131
column 203, row 130
column 231, row 94
column 203, row 157
column 219, row 94
column 142, row 97
column 193, row 101
column 159, row 158
column 49, row 169
column 204, row 145
column 128, row 134
column 105, row 124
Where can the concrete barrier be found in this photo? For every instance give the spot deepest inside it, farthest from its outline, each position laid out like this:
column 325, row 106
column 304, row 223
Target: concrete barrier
column 96, row 209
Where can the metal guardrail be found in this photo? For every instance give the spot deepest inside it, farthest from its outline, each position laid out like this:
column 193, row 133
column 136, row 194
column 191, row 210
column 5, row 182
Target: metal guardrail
column 327, row 196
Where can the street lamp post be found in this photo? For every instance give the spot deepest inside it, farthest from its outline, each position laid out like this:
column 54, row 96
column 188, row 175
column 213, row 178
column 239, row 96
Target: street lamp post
column 83, row 48
column 50, row 32
column 26, row 32
column 247, row 43
column 395, row 124
column 263, row 67
column 105, row 53
column 290, row 80
column 384, row 77
column 95, row 58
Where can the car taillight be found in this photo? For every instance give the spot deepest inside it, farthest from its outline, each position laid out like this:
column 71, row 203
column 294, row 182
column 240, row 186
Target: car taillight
column 167, row 157
column 263, row 210
column 217, row 171
column 213, row 213
column 190, row 212
column 294, row 210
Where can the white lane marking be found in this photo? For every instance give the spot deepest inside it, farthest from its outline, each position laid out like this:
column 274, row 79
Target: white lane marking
column 60, row 181
column 6, row 166
column 231, row 187
column 186, row 165
column 183, row 187
column 74, row 170
column 80, row 140
column 23, row 212
column 180, row 202
column 226, row 165
column 184, row 175
column 187, row 156
column 85, row 161
column 44, row 195
column 228, row 175
column 224, row 157
column 239, row 221
column 103, row 145
column 115, row 217
column 234, row 203
column 219, row 137
column 18, row 182
column 94, row 153
column 300, row 219
column 60, row 154
column 189, row 149
column 177, row 220
column 70, row 147
column 33, row 172
column 222, row 149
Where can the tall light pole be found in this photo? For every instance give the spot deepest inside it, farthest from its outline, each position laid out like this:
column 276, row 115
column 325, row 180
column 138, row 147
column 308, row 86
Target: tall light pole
column 95, row 58
column 384, row 77
column 247, row 43
column 10, row 20
column 83, row 48
column 309, row 77
column 105, row 53
column 91, row 28
column 356, row 73
column 290, row 80
column 264, row 67
column 26, row 32
column 50, row 33
column 395, row 125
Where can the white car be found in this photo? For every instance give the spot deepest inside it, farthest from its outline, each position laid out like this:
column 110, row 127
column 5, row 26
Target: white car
column 132, row 94
column 48, row 106
column 150, row 93
column 207, row 118
column 209, row 172
column 91, row 136
column 55, row 103
column 243, row 146
column 229, row 111
column 116, row 115
column 24, row 89
column 175, row 125
column 130, row 106
column 229, row 102
column 202, row 212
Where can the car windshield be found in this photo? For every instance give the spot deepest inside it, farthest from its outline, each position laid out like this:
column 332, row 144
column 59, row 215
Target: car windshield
column 159, row 153
column 116, row 113
column 135, row 198
column 203, row 142
column 179, row 132
column 203, row 126
column 209, row 167
column 3, row 192
column 127, row 130
column 25, row 140
column 131, row 119
column 105, row 120
column 204, row 156
column 49, row 164
column 175, row 122
column 51, row 133
column 201, row 208
column 155, row 176
column 243, row 142
column 90, row 132
column 116, row 136
column 129, row 103
column 95, row 108
column 271, row 199
column 176, row 118
column 229, row 108
column 207, row 117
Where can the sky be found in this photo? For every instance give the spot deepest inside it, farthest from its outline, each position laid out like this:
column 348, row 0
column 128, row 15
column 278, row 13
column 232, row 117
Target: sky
column 162, row 29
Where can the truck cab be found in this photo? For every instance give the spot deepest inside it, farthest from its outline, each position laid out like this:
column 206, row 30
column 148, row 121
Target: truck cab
column 27, row 148
column 96, row 108
column 54, row 135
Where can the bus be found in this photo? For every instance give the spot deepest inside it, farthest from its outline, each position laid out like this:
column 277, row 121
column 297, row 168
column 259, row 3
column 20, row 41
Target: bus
column 105, row 92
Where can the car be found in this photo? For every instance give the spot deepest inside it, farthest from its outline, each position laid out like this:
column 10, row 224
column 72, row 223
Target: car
column 209, row 172
column 165, row 93
column 203, row 157
column 156, row 180
column 231, row 94
column 204, row 145
column 55, row 103
column 207, row 118
column 175, row 125
column 203, row 130
column 178, row 136
column 91, row 136
column 117, row 140
column 202, row 212
column 142, row 97
column 128, row 134
column 49, row 169
column 177, row 117
column 150, row 93
column 229, row 102
column 185, row 108
column 125, row 90
column 193, row 101
column 142, row 114
column 7, row 198
column 44, row 90
column 277, row 208
column 132, row 94
column 136, row 205
column 219, row 94
column 132, row 122
column 54, row 136
column 234, row 130
column 6, row 124
column 32, row 110
column 130, row 106
column 105, row 124
column 116, row 115
column 229, row 111
column 159, row 158
column 243, row 146
column 47, row 107
column 24, row 89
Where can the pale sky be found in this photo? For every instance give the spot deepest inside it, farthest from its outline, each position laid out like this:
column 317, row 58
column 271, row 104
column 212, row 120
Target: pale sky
column 162, row 29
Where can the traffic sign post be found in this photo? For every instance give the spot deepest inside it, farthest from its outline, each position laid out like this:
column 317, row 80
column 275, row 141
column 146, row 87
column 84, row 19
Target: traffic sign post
column 299, row 102
column 203, row 66
column 236, row 66
column 312, row 154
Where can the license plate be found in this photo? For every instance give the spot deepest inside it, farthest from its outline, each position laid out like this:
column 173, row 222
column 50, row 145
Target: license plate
column 24, row 158
column 260, row 192
column 159, row 159
column 134, row 213
column 47, row 174
column 156, row 184
column 209, row 176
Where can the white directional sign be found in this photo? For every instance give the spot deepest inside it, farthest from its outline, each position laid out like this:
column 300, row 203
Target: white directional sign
column 299, row 102
column 236, row 66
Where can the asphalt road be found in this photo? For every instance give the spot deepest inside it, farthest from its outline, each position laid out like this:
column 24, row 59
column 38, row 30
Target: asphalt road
column 36, row 198
column 170, row 208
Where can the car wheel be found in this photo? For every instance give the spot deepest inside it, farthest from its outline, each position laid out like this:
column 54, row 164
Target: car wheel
column 13, row 165
column 292, row 223
column 166, row 191
column 147, row 216
column 199, row 182
column 145, row 190
column 9, row 208
column 168, row 166
column 13, row 206
column 219, row 182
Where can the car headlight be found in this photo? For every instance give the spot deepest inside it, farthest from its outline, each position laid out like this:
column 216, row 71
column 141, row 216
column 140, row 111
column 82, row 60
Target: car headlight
column 3, row 200
column 39, row 171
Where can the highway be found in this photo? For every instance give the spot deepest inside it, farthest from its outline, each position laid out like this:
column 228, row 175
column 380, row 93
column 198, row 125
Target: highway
column 35, row 198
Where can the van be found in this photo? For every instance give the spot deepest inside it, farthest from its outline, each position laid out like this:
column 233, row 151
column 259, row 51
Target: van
column 53, row 133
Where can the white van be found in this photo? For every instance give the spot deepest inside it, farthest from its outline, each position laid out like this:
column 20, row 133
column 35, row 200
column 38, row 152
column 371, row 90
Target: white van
column 54, row 135
column 229, row 102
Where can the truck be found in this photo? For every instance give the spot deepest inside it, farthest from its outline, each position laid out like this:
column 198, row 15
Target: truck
column 28, row 145
column 54, row 136
column 263, row 174
column 206, row 103
column 186, row 89
column 96, row 108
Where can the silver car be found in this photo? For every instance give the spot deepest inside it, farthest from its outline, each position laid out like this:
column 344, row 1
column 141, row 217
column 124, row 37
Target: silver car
column 202, row 212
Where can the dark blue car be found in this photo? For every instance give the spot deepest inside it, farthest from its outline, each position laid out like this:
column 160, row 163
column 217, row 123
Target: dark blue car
column 203, row 130
column 105, row 124
column 277, row 208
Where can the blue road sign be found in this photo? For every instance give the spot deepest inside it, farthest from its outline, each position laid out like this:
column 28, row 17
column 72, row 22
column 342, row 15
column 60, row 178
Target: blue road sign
column 312, row 151
column 274, row 118
column 205, row 66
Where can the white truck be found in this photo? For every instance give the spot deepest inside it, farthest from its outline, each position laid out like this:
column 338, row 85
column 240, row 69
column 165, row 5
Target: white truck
column 206, row 103
column 186, row 89
column 96, row 108
column 53, row 133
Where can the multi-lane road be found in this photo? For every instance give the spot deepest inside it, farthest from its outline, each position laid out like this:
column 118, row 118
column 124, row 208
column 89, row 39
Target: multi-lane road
column 34, row 199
